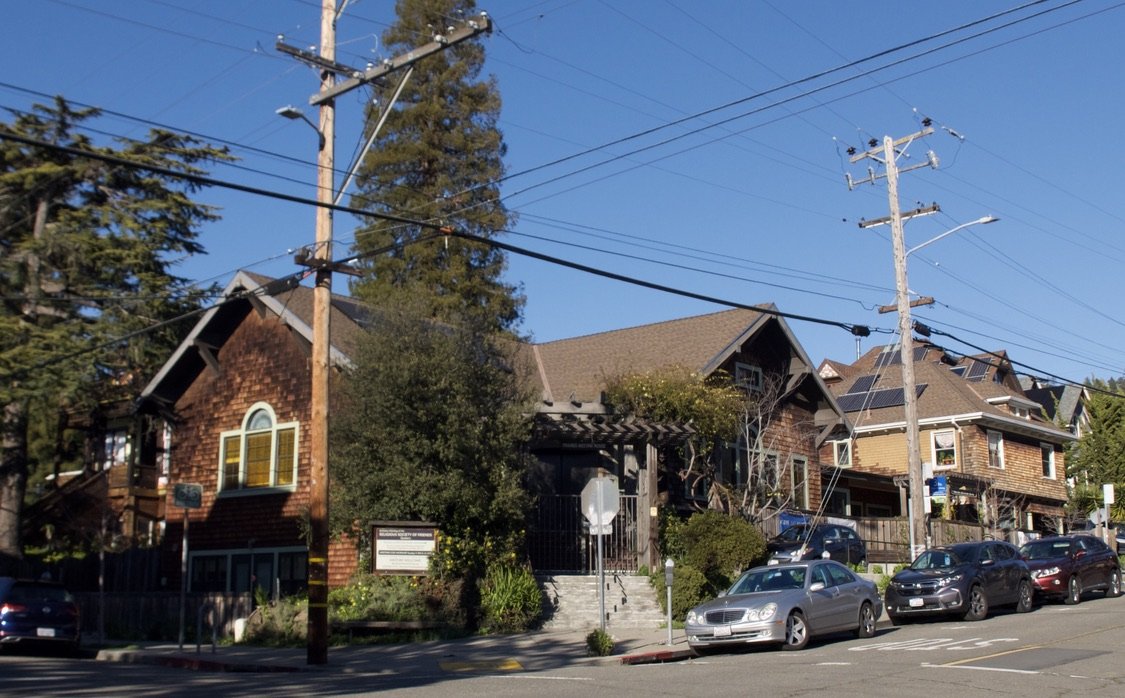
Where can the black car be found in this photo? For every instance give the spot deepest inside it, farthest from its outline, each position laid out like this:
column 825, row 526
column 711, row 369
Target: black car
column 1063, row 567
column 811, row 542
column 962, row 580
column 37, row 611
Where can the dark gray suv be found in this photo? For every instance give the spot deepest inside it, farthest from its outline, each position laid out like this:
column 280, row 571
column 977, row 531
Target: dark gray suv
column 962, row 580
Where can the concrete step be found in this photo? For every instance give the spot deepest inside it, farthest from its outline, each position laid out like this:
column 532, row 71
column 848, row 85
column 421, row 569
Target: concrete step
column 630, row 602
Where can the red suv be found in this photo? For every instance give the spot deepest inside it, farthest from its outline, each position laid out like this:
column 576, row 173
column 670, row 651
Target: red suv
column 1062, row 567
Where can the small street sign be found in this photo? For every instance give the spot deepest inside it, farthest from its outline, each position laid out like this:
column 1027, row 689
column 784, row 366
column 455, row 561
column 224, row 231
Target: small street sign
column 187, row 495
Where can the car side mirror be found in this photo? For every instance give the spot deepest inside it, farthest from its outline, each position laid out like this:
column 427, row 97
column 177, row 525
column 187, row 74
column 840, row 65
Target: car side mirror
column 816, row 586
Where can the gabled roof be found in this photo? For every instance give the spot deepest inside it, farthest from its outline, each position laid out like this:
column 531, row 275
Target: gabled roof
column 293, row 305
column 963, row 390
column 577, row 369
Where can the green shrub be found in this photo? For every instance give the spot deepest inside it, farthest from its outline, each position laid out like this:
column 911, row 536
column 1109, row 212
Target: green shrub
column 721, row 547
column 510, row 599
column 283, row 623
column 395, row 598
column 689, row 589
column 671, row 534
column 599, row 643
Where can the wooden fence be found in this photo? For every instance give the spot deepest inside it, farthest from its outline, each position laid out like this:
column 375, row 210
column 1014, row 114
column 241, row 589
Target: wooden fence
column 156, row 615
column 888, row 538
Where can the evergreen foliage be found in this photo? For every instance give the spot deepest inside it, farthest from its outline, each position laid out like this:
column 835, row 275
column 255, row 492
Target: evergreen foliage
column 429, row 427
column 1099, row 455
column 438, row 159
column 88, row 248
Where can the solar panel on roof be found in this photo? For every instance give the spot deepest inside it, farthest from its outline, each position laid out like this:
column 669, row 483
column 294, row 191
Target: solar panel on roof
column 853, row 402
column 889, row 397
column 888, row 358
column 876, row 399
column 959, row 370
column 920, row 353
column 977, row 370
column 862, row 384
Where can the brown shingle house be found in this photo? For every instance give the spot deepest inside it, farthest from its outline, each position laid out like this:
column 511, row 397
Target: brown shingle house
column 1000, row 459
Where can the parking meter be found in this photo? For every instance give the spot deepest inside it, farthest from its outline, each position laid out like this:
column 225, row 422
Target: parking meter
column 669, row 566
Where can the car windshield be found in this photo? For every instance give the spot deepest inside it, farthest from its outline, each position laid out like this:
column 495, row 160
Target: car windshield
column 934, row 560
column 37, row 593
column 770, row 579
column 1045, row 549
column 795, row 533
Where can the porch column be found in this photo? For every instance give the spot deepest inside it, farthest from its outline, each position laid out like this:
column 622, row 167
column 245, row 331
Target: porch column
column 647, row 529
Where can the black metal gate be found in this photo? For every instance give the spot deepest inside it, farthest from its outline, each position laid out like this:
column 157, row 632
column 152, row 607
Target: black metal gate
column 559, row 539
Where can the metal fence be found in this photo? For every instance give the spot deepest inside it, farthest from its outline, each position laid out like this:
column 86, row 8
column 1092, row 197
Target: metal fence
column 559, row 539
column 156, row 615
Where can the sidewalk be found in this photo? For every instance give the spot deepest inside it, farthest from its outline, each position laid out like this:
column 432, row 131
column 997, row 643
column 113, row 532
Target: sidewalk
column 493, row 653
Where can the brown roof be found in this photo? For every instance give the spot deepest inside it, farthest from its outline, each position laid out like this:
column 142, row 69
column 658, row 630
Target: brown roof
column 346, row 322
column 578, row 368
column 944, row 393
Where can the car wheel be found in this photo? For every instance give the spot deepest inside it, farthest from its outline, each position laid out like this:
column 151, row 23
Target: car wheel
column 1023, row 597
column 1073, row 593
column 866, row 621
column 976, row 608
column 796, row 632
column 1114, row 588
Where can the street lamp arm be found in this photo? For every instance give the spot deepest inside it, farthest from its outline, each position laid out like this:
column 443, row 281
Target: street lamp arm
column 979, row 221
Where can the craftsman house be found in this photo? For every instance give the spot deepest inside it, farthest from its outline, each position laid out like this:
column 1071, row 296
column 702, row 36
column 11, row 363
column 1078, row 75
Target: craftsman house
column 236, row 397
column 992, row 457
column 577, row 435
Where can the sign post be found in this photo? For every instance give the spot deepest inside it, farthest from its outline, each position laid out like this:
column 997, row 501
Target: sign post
column 186, row 496
column 600, row 503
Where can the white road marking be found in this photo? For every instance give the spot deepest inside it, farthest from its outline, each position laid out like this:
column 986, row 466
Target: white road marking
column 978, row 668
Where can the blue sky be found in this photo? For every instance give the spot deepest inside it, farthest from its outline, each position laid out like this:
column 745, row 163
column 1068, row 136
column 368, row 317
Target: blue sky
column 748, row 203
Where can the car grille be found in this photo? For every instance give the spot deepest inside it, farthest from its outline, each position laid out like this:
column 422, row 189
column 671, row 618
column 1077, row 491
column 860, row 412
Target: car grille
column 916, row 588
column 725, row 616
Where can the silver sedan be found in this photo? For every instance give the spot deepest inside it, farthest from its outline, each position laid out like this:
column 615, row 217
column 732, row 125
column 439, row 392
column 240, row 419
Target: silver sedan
column 786, row 604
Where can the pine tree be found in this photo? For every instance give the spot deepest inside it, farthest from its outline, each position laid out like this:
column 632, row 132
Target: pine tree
column 438, row 159
column 87, row 251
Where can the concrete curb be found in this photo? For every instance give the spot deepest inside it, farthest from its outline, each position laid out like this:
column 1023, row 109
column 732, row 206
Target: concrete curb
column 658, row 656
column 191, row 663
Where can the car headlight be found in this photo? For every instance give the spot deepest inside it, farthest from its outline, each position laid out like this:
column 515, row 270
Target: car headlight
column 800, row 553
column 1046, row 572
column 946, row 581
column 764, row 613
column 693, row 618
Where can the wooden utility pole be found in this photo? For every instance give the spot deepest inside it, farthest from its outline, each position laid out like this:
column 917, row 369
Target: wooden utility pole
column 321, row 261
column 888, row 156
column 322, row 306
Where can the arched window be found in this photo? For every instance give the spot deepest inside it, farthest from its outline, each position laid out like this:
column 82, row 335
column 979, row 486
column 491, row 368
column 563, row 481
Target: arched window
column 262, row 453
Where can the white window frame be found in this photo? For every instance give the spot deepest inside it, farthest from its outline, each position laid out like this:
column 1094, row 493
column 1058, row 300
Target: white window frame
column 117, row 445
column 999, row 438
column 934, row 448
column 799, row 489
column 275, row 468
column 749, row 376
column 1049, row 450
column 846, row 444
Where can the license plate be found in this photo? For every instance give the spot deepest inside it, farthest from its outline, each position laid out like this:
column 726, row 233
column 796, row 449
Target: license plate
column 45, row 632
column 917, row 603
column 773, row 562
column 722, row 631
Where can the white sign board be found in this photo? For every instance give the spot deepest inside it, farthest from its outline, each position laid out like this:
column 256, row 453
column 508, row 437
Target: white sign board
column 404, row 550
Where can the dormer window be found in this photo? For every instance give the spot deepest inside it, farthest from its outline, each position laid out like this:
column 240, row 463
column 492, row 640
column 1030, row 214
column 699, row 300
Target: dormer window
column 748, row 377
